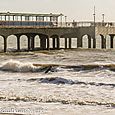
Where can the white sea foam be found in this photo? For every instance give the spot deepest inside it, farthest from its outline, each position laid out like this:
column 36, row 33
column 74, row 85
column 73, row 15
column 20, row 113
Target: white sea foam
column 17, row 66
column 92, row 91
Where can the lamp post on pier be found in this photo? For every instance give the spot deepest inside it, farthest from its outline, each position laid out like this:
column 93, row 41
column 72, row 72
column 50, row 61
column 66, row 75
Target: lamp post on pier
column 103, row 18
column 103, row 15
column 66, row 21
column 8, row 13
column 94, row 39
column 61, row 19
column 94, row 22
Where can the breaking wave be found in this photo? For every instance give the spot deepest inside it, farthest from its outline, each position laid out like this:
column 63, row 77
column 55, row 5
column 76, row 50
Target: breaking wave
column 17, row 66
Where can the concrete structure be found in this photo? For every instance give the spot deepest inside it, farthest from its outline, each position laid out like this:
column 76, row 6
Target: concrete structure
column 66, row 30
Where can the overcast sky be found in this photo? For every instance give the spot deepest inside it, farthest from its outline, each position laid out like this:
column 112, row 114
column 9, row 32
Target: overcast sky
column 73, row 9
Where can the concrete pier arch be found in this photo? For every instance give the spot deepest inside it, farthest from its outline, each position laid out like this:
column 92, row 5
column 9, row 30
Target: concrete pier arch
column 87, row 41
column 11, row 43
column 37, row 41
column 108, row 41
column 74, row 42
column 1, row 43
column 98, row 42
column 62, row 42
column 23, row 42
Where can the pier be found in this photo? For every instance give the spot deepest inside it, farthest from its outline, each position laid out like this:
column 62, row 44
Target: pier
column 52, row 27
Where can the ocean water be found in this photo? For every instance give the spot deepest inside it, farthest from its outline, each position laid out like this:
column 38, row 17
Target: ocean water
column 57, row 82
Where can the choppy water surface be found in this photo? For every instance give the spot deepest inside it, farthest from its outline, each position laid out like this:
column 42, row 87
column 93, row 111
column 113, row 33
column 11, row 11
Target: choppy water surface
column 72, row 82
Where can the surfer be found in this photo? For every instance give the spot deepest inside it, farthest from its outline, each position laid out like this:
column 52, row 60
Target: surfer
column 48, row 69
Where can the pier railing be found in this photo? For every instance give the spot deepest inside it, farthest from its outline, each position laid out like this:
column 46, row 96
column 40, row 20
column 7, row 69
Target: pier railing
column 87, row 24
column 36, row 24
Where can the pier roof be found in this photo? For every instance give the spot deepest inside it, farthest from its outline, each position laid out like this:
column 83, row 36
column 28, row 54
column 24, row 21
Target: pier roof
column 30, row 14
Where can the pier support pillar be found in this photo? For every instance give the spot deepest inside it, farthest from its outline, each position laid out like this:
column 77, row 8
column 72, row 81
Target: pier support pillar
column 79, row 42
column 69, row 43
column 89, row 41
column 58, row 43
column 103, row 44
column 18, row 42
column 29, row 42
column 111, row 41
column 32, row 42
column 48, row 46
column 5, row 44
column 65, row 43
column 54, row 42
column 43, row 42
column 94, row 42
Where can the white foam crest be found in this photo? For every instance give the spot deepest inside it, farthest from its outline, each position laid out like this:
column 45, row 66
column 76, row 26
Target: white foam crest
column 17, row 66
column 104, row 63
